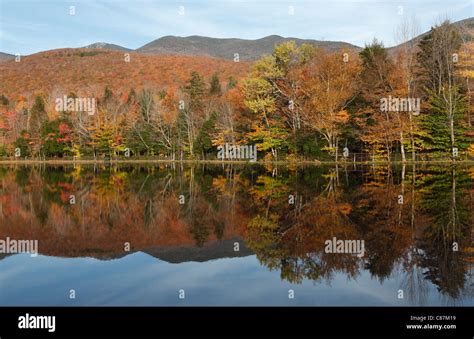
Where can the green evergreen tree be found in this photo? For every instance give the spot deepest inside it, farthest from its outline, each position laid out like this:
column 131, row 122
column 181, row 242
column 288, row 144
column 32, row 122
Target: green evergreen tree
column 3, row 100
column 215, row 85
column 108, row 94
column 37, row 115
column 22, row 143
column 443, row 124
column 435, row 135
column 195, row 88
column 203, row 143
column 231, row 83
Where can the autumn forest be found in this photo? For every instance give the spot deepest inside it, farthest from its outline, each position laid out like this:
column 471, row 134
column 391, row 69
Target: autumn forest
column 263, row 170
column 301, row 103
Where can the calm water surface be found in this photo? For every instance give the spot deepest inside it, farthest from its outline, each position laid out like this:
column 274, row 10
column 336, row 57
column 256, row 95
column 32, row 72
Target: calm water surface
column 237, row 235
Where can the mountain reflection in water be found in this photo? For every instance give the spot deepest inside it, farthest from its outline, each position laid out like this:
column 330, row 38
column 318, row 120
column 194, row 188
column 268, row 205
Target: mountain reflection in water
column 244, row 235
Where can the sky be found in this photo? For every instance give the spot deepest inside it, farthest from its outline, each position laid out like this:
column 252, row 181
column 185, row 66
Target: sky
column 30, row 26
column 139, row 279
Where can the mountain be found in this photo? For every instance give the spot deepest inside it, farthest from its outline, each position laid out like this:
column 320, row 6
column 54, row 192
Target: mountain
column 104, row 45
column 466, row 27
column 172, row 254
column 91, row 70
column 6, row 57
column 248, row 50
column 211, row 251
column 162, row 63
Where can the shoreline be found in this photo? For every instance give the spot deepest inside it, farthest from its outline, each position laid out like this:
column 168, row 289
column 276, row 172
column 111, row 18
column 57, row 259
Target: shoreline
column 226, row 162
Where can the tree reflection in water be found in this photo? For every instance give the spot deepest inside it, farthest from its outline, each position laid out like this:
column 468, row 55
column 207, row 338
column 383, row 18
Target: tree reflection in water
column 284, row 215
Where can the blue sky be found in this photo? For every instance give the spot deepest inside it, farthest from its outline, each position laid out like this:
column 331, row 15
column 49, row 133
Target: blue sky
column 29, row 26
column 141, row 280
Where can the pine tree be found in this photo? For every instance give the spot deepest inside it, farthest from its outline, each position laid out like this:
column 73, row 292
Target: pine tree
column 231, row 83
column 203, row 143
column 215, row 85
column 195, row 88
column 37, row 116
column 447, row 103
column 188, row 117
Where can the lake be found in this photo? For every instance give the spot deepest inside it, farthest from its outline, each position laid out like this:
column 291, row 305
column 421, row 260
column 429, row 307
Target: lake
column 173, row 234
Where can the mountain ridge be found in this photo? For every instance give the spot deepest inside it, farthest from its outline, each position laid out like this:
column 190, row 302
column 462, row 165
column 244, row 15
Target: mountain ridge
column 246, row 49
column 229, row 48
column 105, row 45
column 466, row 27
column 196, row 45
column 6, row 57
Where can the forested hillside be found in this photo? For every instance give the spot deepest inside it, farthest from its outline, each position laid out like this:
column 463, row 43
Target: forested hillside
column 299, row 102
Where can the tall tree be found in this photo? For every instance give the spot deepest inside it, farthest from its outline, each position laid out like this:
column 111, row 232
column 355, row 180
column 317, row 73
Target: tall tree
column 215, row 85
column 36, row 115
column 329, row 87
column 190, row 114
column 273, row 94
column 437, row 59
column 407, row 31
column 376, row 82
